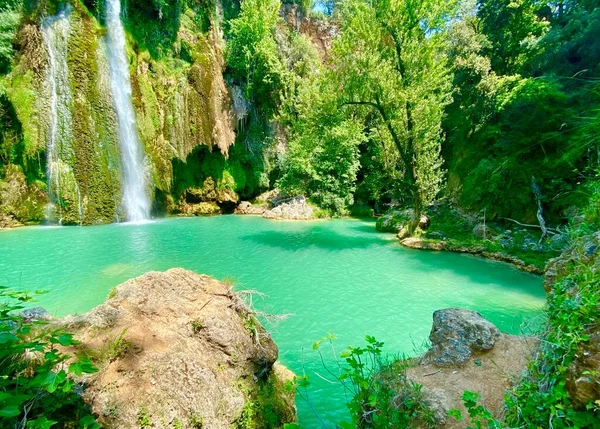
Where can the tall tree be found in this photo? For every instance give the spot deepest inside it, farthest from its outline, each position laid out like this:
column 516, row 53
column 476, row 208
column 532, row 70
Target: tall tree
column 514, row 28
column 390, row 64
column 252, row 53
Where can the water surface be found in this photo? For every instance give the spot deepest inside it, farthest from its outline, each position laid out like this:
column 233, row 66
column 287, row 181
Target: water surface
column 338, row 276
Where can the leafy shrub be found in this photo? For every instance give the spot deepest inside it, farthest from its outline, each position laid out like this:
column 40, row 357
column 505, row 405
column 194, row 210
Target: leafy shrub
column 10, row 17
column 481, row 417
column 252, row 53
column 35, row 388
column 382, row 396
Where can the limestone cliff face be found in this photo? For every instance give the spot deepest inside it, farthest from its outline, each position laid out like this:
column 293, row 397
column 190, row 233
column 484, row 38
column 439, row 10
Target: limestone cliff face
column 179, row 95
column 178, row 349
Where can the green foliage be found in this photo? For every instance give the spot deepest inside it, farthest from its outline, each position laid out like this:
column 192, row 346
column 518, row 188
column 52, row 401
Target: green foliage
column 573, row 309
column 480, row 417
column 514, row 29
column 266, row 406
column 10, row 17
column 382, row 396
column 197, row 326
column 252, row 53
column 322, row 158
column 36, row 388
column 118, row 347
column 154, row 24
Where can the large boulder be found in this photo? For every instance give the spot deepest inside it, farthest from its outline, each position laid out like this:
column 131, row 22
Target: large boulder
column 296, row 208
column 468, row 353
column 178, row 349
column 457, row 334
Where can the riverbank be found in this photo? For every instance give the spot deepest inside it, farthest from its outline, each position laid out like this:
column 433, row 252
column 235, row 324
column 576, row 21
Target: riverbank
column 440, row 245
column 445, row 228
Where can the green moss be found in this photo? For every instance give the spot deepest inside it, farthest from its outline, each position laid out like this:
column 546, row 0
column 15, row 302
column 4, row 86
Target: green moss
column 95, row 141
column 268, row 405
column 22, row 93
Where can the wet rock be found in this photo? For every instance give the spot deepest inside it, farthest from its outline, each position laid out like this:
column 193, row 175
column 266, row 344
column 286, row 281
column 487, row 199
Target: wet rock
column 507, row 242
column 399, row 220
column 210, row 193
column 36, row 313
column 457, row 334
column 8, row 221
column 590, row 249
column 178, row 346
column 200, row 209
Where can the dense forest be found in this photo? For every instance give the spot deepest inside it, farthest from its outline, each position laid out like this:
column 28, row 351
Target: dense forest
column 408, row 103
column 447, row 114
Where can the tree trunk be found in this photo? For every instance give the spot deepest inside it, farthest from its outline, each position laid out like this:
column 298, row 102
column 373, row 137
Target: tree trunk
column 540, row 211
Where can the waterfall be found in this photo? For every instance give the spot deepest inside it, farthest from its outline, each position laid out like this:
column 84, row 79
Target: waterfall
column 135, row 199
column 60, row 156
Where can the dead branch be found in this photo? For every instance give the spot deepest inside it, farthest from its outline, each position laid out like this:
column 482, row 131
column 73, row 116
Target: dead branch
column 526, row 225
column 540, row 211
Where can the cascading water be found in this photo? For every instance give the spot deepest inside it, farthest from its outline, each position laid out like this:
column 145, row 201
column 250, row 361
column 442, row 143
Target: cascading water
column 135, row 200
column 55, row 33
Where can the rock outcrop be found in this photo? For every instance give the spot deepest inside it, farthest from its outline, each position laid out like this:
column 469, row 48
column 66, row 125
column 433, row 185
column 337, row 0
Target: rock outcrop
column 247, row 208
column 274, row 205
column 178, row 349
column 457, row 335
column 468, row 353
column 296, row 208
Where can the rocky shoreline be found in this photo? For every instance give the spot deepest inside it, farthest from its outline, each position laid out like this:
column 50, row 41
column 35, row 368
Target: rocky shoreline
column 440, row 245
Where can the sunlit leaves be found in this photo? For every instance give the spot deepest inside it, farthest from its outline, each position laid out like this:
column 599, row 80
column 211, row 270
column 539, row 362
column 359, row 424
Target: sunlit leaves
column 35, row 388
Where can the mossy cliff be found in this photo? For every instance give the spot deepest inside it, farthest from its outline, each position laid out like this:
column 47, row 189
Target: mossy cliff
column 182, row 104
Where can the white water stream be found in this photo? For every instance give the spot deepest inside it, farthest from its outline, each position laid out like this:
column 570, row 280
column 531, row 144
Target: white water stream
column 135, row 174
column 55, row 33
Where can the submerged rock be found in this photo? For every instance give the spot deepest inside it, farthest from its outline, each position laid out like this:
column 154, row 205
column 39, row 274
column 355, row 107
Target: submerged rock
column 36, row 313
column 178, row 349
column 457, row 334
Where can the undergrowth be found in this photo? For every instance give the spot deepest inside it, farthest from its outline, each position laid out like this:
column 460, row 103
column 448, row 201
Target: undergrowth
column 37, row 390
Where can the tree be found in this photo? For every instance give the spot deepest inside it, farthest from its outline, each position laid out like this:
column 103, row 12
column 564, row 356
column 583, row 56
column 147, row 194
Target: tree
column 514, row 29
column 391, row 69
column 322, row 156
column 10, row 17
column 252, row 53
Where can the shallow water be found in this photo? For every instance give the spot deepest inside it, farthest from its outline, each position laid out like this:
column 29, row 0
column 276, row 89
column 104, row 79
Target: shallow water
column 338, row 276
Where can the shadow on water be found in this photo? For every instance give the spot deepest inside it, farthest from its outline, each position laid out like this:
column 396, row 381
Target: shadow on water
column 365, row 227
column 470, row 268
column 324, row 239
